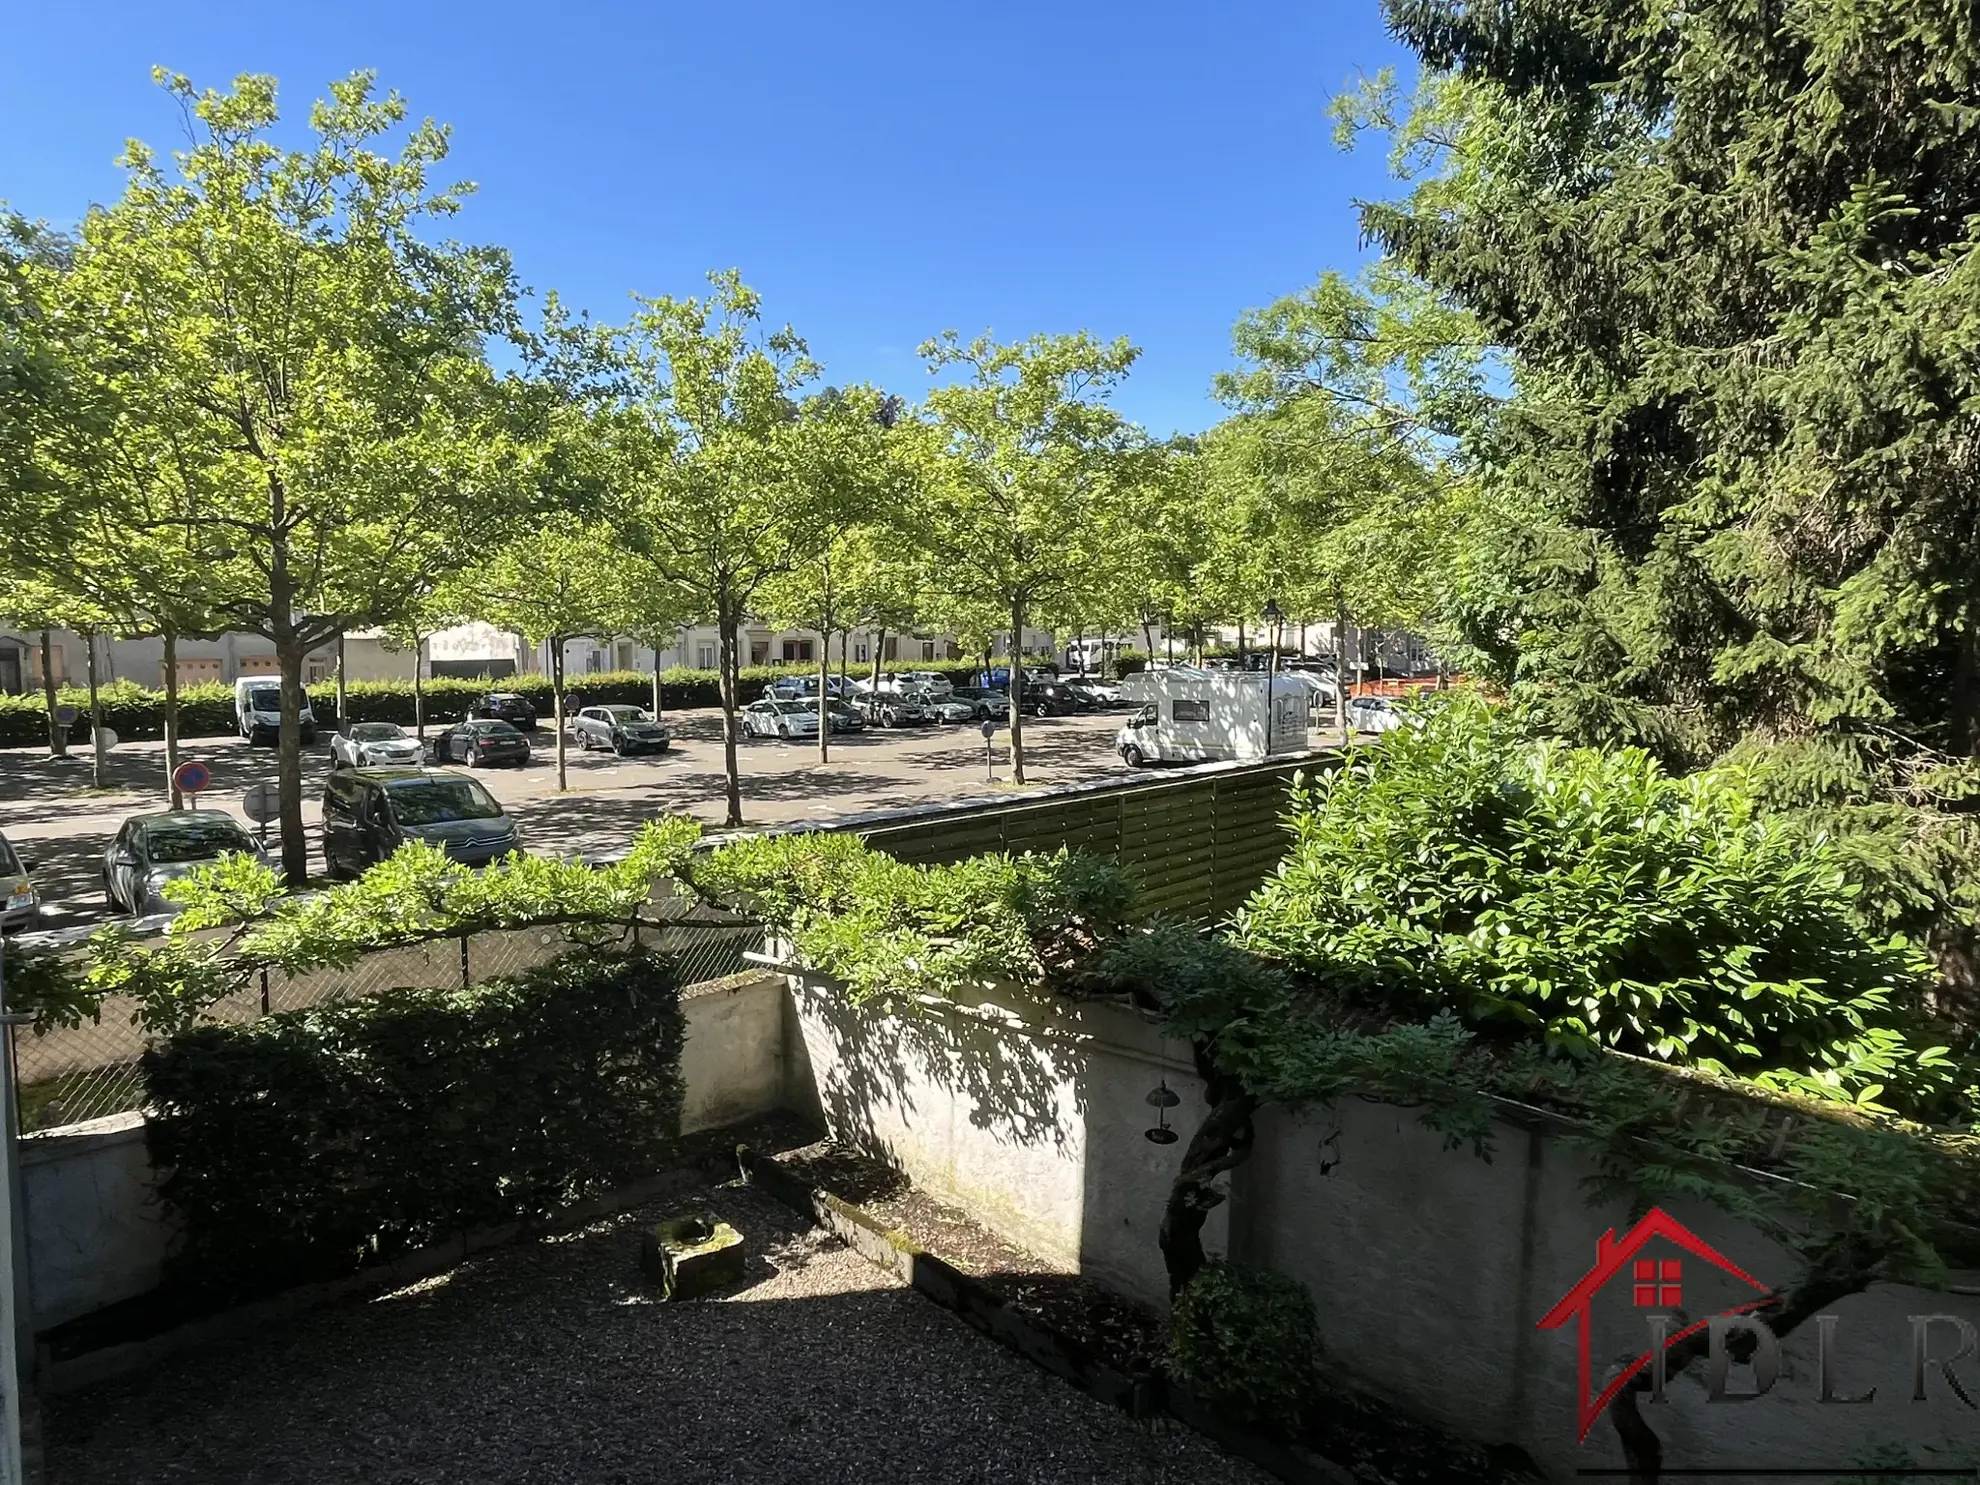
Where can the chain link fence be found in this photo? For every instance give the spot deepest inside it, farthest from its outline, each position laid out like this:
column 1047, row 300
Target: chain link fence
column 73, row 1074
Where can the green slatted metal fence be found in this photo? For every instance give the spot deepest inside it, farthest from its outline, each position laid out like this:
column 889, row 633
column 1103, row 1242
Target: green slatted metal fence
column 1198, row 844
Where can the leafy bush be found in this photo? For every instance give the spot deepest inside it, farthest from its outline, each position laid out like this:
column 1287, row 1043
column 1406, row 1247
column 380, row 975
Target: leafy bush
column 1591, row 895
column 1243, row 1339
column 887, row 928
column 308, row 1143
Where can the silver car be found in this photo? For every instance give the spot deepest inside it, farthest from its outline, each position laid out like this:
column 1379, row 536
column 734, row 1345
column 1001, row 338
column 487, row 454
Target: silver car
column 786, row 719
column 620, row 729
column 374, row 744
column 20, row 904
column 943, row 708
column 151, row 850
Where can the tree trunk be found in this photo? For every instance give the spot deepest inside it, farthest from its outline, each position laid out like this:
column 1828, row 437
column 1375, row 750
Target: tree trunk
column 1147, row 642
column 1221, row 1142
column 1168, row 643
column 879, row 648
column 1241, row 650
column 557, row 702
column 1017, row 690
column 845, row 644
column 728, row 621
column 58, row 735
column 1340, row 662
column 343, row 711
column 419, row 688
column 1965, row 689
column 657, row 711
column 824, row 695
column 99, row 755
column 172, row 793
column 288, row 771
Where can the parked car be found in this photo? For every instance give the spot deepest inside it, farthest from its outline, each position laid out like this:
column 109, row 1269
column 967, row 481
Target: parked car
column 1090, row 695
column 926, row 682
column 988, row 701
column 1049, row 699
column 369, row 743
column 151, row 850
column 368, row 813
column 20, row 904
column 944, row 708
column 890, row 709
column 479, row 742
column 1373, row 714
column 805, row 688
column 258, row 710
column 844, row 716
column 505, row 706
column 623, row 729
column 772, row 718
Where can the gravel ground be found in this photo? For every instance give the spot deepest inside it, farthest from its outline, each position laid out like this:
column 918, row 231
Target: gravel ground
column 550, row 1362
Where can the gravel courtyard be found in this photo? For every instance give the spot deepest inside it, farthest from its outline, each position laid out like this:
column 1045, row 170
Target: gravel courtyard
column 550, row 1363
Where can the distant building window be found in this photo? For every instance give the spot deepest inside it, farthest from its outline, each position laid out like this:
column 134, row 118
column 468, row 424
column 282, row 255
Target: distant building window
column 704, row 657
column 928, row 649
column 891, row 650
column 862, row 653
column 759, row 652
column 797, row 649
column 1182, row 709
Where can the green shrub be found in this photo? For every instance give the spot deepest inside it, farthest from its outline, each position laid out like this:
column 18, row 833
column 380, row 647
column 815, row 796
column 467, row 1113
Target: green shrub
column 1465, row 864
column 1243, row 1340
column 887, row 928
column 308, row 1143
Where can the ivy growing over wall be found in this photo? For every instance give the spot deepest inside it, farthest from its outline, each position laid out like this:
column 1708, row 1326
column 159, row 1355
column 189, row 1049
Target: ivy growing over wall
column 307, row 1143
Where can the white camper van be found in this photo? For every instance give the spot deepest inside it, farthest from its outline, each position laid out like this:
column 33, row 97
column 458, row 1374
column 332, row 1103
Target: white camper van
column 1204, row 716
column 258, row 709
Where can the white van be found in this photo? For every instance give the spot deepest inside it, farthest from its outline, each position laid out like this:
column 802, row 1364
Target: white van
column 1204, row 716
column 258, row 710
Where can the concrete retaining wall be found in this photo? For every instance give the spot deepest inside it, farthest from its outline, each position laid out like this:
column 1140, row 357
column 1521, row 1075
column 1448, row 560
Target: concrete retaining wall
column 96, row 1233
column 1428, row 1267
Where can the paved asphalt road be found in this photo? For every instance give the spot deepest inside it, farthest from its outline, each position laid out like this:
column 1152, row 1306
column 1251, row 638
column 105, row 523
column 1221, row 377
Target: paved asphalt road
column 52, row 816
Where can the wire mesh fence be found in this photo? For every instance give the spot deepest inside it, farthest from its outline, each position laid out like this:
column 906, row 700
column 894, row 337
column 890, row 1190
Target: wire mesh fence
column 68, row 1075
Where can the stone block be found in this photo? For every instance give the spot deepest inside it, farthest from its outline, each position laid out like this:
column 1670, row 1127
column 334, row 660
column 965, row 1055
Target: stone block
column 691, row 1256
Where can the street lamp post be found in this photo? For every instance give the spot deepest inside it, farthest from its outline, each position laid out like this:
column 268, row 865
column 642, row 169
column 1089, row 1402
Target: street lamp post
column 1273, row 615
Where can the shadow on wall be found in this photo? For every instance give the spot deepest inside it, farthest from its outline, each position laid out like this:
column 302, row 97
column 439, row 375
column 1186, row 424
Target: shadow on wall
column 1030, row 1117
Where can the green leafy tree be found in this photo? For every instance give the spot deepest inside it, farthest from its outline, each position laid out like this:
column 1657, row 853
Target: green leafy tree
column 555, row 584
column 295, row 342
column 1030, row 451
column 1747, row 402
column 711, row 459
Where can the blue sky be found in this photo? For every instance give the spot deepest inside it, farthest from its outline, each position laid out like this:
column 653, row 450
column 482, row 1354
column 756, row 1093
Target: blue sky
column 879, row 172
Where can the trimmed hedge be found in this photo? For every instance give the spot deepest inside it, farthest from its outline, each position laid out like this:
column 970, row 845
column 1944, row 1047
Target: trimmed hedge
column 206, row 709
column 308, row 1143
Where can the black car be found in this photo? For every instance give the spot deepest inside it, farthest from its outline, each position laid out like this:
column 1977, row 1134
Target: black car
column 481, row 742
column 368, row 813
column 505, row 706
column 1049, row 700
column 843, row 716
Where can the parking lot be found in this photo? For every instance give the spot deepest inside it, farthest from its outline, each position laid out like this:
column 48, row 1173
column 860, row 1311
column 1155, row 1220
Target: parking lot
column 53, row 816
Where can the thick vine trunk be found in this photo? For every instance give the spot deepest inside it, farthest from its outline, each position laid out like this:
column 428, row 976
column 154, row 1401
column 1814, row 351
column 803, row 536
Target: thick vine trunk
column 1221, row 1143
column 1846, row 1268
column 172, row 793
column 58, row 735
column 1017, row 690
column 98, row 753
